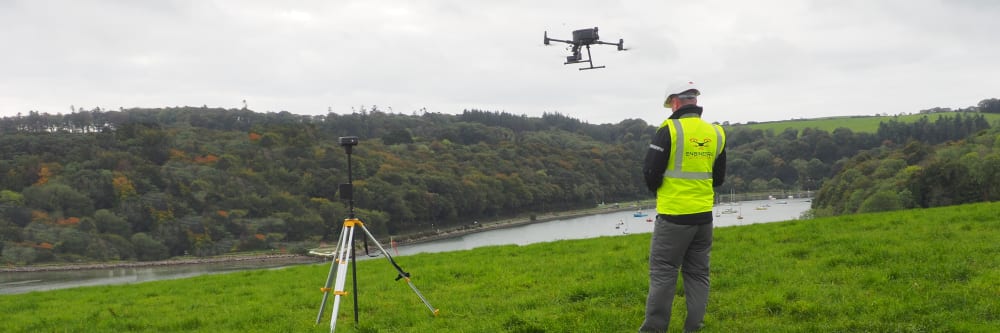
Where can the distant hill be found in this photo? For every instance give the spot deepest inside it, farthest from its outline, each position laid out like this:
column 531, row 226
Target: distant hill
column 148, row 184
column 858, row 124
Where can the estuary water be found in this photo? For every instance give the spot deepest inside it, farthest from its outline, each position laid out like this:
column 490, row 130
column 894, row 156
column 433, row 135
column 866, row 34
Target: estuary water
column 22, row 282
column 608, row 224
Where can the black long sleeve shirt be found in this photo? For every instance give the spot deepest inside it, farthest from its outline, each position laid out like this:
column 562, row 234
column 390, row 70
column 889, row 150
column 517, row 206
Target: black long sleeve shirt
column 656, row 163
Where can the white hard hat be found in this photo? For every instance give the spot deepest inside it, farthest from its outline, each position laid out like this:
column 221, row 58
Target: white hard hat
column 680, row 88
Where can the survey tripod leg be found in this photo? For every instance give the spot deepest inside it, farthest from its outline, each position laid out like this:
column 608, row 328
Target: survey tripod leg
column 345, row 254
column 402, row 274
column 345, row 248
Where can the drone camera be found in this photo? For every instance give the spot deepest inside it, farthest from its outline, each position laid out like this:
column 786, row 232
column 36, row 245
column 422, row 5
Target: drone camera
column 575, row 58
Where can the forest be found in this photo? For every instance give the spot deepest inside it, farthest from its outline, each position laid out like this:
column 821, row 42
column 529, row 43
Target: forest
column 149, row 184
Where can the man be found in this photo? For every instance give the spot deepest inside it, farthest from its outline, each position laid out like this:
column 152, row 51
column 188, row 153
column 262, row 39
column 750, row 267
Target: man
column 685, row 160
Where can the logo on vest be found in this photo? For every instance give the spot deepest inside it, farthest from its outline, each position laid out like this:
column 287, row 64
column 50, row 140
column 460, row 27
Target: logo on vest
column 700, row 146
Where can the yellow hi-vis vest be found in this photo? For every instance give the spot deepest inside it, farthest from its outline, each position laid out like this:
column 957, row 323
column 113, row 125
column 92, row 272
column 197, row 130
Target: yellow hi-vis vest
column 687, row 182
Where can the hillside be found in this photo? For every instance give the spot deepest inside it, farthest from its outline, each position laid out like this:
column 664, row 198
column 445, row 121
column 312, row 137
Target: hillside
column 860, row 124
column 922, row 270
column 149, row 184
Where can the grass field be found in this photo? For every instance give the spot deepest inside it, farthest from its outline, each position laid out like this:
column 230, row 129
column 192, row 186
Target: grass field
column 933, row 270
column 863, row 124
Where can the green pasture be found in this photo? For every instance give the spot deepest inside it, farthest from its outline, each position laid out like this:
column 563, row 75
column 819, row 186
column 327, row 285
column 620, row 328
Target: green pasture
column 861, row 124
column 932, row 270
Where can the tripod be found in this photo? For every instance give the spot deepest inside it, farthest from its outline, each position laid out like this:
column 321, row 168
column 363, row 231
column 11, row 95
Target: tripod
column 345, row 252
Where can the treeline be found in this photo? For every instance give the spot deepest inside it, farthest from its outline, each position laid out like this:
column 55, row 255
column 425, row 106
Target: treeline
column 923, row 130
column 150, row 184
column 801, row 160
column 146, row 184
column 916, row 175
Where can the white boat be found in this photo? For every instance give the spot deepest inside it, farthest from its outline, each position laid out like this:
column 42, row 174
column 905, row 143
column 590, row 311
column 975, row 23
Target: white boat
column 732, row 203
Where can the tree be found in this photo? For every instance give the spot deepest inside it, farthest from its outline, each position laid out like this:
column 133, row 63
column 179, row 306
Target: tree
column 16, row 254
column 882, row 201
column 148, row 249
column 775, row 184
column 9, row 197
column 96, row 185
column 991, row 105
column 397, row 136
column 118, row 247
column 9, row 232
column 59, row 198
column 762, row 159
column 759, row 185
column 109, row 223
column 72, row 241
column 985, row 171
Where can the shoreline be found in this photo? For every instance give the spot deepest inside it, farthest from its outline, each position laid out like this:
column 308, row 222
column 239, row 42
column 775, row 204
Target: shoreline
column 510, row 223
column 287, row 258
column 307, row 258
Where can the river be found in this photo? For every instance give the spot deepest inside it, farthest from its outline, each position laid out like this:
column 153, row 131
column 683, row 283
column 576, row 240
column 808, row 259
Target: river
column 608, row 224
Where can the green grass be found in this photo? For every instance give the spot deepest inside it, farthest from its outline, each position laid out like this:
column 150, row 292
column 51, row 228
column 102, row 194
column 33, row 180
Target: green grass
column 859, row 124
column 933, row 270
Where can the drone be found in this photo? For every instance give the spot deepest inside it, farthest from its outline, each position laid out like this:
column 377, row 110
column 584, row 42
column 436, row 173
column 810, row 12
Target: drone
column 583, row 37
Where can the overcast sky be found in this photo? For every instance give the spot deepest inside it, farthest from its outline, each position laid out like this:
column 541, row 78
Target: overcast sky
column 753, row 60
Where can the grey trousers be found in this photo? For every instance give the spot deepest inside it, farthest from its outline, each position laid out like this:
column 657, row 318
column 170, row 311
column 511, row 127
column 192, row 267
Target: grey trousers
column 677, row 247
